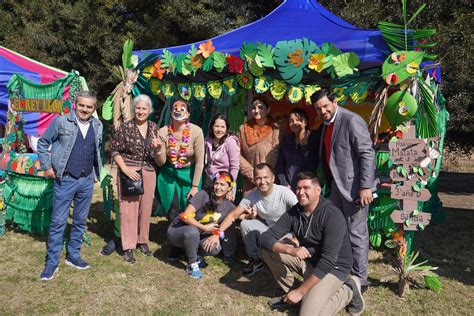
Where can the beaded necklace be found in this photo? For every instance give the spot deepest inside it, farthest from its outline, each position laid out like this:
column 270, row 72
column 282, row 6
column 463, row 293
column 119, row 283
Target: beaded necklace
column 178, row 158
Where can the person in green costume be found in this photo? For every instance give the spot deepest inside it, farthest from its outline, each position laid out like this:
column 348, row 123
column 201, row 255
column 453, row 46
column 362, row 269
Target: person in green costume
column 181, row 161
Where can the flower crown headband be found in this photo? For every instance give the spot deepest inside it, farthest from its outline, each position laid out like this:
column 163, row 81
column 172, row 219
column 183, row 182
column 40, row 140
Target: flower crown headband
column 226, row 177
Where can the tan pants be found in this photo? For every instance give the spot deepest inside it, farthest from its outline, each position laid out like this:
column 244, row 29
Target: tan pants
column 135, row 213
column 328, row 297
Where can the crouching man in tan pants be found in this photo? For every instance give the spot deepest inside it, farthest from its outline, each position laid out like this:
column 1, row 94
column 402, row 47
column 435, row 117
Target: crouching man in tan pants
column 320, row 252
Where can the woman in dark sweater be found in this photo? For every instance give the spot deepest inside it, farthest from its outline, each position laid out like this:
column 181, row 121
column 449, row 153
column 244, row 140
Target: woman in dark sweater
column 298, row 150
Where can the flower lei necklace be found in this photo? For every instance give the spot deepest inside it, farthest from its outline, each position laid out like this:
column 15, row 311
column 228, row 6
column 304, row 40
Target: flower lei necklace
column 178, row 158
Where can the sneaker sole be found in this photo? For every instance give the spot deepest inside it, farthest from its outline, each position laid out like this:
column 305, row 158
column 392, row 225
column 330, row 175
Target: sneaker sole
column 50, row 278
column 69, row 263
column 253, row 272
column 195, row 277
column 357, row 283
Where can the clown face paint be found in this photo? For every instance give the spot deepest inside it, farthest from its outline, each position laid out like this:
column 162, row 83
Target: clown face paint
column 179, row 112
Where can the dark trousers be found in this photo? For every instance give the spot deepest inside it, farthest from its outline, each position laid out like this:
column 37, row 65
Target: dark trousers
column 356, row 219
column 191, row 239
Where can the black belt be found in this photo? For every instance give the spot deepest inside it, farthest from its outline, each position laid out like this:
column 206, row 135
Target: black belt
column 68, row 174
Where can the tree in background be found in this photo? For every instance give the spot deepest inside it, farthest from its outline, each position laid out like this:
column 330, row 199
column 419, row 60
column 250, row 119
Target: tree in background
column 87, row 35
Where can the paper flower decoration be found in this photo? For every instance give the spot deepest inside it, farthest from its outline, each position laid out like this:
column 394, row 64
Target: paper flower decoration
column 278, row 89
column 235, row 64
column 262, row 84
column 245, row 80
column 206, row 49
column 157, row 71
column 196, row 61
column 316, row 62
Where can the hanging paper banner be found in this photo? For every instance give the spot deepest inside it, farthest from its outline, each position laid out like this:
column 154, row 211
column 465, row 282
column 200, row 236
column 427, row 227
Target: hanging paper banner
column 278, row 89
column 230, row 86
column 309, row 90
column 184, row 91
column 155, row 86
column 199, row 91
column 215, row 89
column 262, row 84
column 168, row 89
column 295, row 93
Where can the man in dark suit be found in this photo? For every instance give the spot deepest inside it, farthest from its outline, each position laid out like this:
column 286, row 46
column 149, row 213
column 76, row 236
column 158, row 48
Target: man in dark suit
column 348, row 163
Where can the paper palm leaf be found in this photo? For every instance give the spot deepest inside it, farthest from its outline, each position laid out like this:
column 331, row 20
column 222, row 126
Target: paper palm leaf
column 291, row 57
column 208, row 63
column 247, row 49
column 345, row 64
column 127, row 53
column 179, row 62
column 219, row 61
column 265, row 55
column 427, row 124
column 168, row 61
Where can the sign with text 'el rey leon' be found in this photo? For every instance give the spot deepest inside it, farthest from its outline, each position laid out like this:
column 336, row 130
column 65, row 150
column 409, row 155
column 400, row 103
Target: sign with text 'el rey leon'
column 38, row 105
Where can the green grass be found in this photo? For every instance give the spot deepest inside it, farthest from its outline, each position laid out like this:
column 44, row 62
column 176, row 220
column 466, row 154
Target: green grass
column 152, row 286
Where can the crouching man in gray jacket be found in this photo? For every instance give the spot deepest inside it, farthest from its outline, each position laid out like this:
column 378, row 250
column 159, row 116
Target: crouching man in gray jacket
column 320, row 252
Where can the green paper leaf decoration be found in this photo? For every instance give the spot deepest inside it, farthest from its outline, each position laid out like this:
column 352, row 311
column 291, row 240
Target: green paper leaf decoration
column 248, row 50
column 179, row 59
column 262, row 84
column 186, row 68
column 391, row 244
column 208, row 63
column 108, row 108
column 254, row 68
column 291, row 57
column 127, row 54
column 199, row 91
column 309, row 90
column 330, row 50
column 408, row 222
column 415, row 169
column 295, row 93
column 184, row 91
column 215, row 89
column 416, row 188
column 400, row 66
column 192, row 51
column 229, row 86
column 265, row 55
column 345, row 64
column 415, row 212
column 168, row 61
column 404, row 172
column 219, row 61
column 421, row 172
column 245, row 80
column 278, row 89
column 421, row 226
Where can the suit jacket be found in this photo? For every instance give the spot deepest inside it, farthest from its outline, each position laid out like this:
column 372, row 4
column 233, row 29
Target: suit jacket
column 352, row 158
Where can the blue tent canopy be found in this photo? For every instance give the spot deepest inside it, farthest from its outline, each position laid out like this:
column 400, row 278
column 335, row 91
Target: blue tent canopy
column 295, row 19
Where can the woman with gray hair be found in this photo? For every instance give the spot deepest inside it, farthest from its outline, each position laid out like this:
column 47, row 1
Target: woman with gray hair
column 133, row 148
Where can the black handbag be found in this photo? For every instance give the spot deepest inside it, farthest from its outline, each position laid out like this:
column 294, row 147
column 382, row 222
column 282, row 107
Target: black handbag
column 130, row 187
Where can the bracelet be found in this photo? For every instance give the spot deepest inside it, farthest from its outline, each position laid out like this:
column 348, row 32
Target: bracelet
column 183, row 216
column 219, row 233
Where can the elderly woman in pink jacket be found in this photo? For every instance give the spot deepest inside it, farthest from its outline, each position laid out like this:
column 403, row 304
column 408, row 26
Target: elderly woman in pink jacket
column 222, row 150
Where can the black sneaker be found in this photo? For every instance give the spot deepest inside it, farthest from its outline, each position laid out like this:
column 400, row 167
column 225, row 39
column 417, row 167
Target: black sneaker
column 278, row 303
column 228, row 259
column 145, row 250
column 109, row 248
column 357, row 305
column 253, row 266
column 128, row 256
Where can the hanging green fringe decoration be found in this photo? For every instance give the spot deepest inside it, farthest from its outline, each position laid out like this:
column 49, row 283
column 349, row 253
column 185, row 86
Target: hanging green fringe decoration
column 28, row 201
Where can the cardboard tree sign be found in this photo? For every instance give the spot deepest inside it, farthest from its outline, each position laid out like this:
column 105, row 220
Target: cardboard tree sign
column 411, row 154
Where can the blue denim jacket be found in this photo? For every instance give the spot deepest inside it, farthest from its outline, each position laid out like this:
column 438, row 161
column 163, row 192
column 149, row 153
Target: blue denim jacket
column 61, row 135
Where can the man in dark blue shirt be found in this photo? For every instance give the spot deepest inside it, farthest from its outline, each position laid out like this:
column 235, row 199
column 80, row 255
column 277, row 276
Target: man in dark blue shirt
column 320, row 251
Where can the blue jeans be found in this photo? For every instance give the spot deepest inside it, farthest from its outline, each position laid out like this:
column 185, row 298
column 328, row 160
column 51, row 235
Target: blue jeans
column 66, row 190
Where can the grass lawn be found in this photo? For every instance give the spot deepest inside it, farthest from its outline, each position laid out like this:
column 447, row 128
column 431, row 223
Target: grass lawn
column 153, row 286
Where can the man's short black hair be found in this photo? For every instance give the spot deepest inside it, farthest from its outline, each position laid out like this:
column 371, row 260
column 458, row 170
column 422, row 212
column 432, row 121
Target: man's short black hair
column 321, row 94
column 261, row 166
column 308, row 175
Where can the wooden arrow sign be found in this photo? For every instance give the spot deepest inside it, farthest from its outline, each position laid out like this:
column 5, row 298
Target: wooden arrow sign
column 407, row 151
column 402, row 216
column 406, row 192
